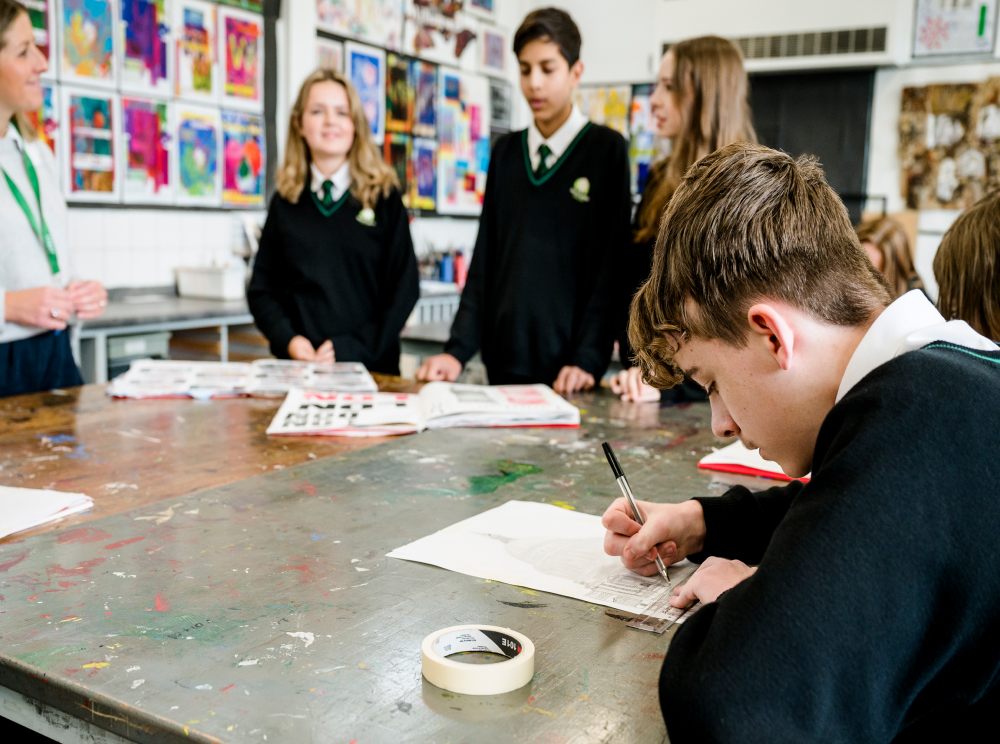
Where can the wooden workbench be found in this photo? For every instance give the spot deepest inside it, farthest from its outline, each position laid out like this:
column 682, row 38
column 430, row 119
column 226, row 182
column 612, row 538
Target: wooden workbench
column 266, row 608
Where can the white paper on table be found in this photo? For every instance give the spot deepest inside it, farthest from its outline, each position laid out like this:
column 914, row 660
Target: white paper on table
column 24, row 508
column 540, row 546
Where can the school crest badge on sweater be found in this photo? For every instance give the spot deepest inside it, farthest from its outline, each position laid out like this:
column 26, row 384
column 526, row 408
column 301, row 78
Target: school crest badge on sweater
column 581, row 190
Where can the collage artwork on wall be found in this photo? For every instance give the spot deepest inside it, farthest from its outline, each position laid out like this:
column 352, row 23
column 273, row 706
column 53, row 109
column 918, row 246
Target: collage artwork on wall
column 154, row 101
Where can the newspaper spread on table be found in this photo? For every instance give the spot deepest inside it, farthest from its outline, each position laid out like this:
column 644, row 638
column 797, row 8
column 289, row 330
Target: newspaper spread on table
column 155, row 378
column 437, row 405
column 544, row 547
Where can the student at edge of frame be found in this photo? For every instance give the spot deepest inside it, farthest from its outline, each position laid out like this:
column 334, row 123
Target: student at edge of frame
column 860, row 606
column 555, row 215
column 335, row 277
column 38, row 295
column 700, row 104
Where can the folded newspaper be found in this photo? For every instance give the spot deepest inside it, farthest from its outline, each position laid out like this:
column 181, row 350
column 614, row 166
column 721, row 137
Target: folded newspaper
column 24, row 508
column 151, row 378
column 436, row 406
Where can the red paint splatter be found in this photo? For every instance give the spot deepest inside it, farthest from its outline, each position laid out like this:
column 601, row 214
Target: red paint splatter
column 67, row 584
column 69, row 617
column 83, row 535
column 45, row 616
column 4, row 567
column 229, row 687
column 122, row 543
column 162, row 603
column 82, row 569
column 71, row 671
column 107, row 613
column 303, row 568
column 309, row 488
column 32, row 597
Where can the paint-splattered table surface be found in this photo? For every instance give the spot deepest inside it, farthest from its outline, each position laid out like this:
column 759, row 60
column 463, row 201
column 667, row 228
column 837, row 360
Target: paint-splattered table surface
column 265, row 610
column 129, row 453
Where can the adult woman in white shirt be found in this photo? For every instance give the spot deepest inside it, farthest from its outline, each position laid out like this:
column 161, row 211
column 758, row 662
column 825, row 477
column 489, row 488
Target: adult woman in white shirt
column 37, row 297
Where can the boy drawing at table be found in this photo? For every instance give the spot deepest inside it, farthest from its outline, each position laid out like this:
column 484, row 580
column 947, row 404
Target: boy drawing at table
column 872, row 613
column 555, row 213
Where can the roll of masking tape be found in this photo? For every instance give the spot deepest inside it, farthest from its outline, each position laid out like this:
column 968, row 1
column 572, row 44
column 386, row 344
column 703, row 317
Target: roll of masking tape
column 478, row 679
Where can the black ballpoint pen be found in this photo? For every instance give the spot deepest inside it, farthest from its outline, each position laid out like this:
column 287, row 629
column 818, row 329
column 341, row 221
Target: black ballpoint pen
column 619, row 474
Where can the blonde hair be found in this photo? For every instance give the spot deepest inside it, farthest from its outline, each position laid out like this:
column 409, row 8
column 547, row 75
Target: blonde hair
column 371, row 177
column 10, row 11
column 889, row 238
column 710, row 90
column 967, row 268
column 748, row 222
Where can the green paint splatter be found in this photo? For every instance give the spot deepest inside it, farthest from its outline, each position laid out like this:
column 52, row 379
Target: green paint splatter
column 510, row 471
column 36, row 658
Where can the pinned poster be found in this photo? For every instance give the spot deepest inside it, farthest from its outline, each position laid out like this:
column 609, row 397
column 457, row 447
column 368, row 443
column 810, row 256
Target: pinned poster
column 441, row 32
column 463, row 156
column 493, row 46
column 199, row 145
column 241, row 57
column 242, row 159
column 607, row 105
column 423, row 184
column 45, row 121
column 144, row 46
column 88, row 144
column 197, row 70
column 330, row 54
column 423, row 81
column 375, row 21
column 943, row 28
column 43, row 17
column 399, row 96
column 365, row 68
column 86, row 42
column 642, row 136
column 145, row 154
column 397, row 151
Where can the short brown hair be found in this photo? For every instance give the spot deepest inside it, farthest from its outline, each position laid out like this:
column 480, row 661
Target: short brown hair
column 967, row 268
column 550, row 24
column 747, row 223
column 889, row 238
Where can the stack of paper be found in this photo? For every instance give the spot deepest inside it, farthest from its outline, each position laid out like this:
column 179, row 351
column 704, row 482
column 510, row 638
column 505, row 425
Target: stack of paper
column 738, row 459
column 151, row 378
column 24, row 508
column 438, row 405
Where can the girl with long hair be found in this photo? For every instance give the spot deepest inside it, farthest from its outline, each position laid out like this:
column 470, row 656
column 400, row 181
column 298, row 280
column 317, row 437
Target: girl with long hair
column 700, row 104
column 335, row 277
column 39, row 295
column 884, row 240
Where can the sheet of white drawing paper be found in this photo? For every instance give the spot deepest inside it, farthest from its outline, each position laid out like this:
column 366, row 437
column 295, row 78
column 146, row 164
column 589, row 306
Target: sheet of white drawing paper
column 24, row 508
column 543, row 547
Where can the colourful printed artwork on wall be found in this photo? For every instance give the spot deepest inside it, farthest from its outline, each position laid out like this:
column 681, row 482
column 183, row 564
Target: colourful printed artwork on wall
column 423, row 81
column 146, row 142
column 464, row 142
column 398, row 153
column 443, row 32
column 949, row 144
column 375, row 21
column 243, row 159
column 45, row 121
column 241, row 52
column 642, row 137
column 87, row 41
column 366, row 71
column 194, row 28
column 605, row 105
column 330, row 54
column 199, row 178
column 494, row 48
column 40, row 12
column 399, row 96
column 423, row 184
column 90, row 160
column 145, row 32
column 943, row 27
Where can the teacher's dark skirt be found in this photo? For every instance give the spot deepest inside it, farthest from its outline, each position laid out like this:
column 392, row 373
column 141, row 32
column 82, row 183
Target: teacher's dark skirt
column 42, row 362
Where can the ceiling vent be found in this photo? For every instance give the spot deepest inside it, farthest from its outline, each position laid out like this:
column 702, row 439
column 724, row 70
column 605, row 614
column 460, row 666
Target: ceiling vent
column 811, row 43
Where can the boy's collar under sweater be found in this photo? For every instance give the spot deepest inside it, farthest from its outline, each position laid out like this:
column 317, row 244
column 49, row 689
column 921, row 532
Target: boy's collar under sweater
column 561, row 139
column 909, row 323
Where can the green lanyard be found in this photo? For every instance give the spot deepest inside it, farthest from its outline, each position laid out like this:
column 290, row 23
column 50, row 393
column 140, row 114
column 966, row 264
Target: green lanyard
column 42, row 233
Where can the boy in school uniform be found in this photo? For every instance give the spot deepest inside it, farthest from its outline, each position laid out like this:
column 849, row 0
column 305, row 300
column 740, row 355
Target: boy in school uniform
column 871, row 615
column 555, row 213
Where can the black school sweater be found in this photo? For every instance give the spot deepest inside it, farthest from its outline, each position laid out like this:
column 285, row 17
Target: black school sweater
column 332, row 277
column 874, row 615
column 541, row 283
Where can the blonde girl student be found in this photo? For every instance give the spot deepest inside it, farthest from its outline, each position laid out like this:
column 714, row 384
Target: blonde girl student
column 38, row 294
column 335, row 277
column 884, row 240
column 700, row 105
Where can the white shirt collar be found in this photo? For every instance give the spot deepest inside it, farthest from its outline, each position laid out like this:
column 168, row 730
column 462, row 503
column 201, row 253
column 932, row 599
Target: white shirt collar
column 909, row 323
column 13, row 135
column 560, row 140
column 341, row 180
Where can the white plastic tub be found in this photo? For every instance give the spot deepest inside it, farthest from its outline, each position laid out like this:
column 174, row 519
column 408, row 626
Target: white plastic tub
column 212, row 282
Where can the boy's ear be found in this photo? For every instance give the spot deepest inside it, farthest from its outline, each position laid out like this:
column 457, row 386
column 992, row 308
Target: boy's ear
column 575, row 72
column 768, row 326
